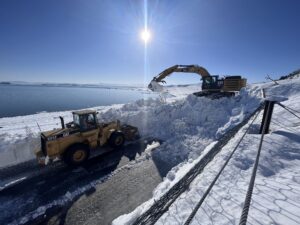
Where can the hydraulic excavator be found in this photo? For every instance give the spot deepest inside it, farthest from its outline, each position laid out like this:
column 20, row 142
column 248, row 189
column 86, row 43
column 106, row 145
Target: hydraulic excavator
column 212, row 85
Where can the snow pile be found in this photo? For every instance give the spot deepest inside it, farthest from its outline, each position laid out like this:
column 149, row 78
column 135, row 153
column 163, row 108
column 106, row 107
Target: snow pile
column 17, row 148
column 187, row 125
column 181, row 121
column 19, row 136
column 172, row 92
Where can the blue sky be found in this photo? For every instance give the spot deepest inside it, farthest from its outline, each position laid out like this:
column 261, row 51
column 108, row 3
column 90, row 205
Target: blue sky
column 99, row 41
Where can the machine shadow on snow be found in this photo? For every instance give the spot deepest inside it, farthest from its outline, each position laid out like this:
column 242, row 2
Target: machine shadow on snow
column 254, row 129
column 164, row 161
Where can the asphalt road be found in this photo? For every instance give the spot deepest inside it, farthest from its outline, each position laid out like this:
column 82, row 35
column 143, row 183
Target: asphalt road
column 124, row 179
column 121, row 194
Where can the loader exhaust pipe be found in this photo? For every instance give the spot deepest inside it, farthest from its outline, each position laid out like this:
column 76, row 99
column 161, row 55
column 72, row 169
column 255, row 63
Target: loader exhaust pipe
column 62, row 122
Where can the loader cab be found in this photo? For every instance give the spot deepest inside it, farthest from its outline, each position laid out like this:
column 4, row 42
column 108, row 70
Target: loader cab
column 212, row 83
column 85, row 120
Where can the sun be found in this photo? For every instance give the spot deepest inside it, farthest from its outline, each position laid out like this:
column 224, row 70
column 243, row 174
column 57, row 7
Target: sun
column 146, row 36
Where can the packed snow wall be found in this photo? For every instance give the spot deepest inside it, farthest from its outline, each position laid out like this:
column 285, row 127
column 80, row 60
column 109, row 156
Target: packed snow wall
column 186, row 124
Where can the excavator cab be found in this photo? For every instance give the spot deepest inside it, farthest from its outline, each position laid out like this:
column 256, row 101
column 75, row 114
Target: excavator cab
column 212, row 83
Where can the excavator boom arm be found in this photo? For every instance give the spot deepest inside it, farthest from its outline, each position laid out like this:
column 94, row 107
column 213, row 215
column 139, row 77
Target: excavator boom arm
column 182, row 68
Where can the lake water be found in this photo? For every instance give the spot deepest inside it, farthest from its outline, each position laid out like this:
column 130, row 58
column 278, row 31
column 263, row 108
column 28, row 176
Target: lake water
column 18, row 100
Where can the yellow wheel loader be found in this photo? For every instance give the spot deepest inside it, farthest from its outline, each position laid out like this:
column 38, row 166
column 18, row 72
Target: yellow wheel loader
column 74, row 141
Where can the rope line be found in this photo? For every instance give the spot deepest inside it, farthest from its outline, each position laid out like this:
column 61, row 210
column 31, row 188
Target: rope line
column 192, row 215
column 245, row 211
column 286, row 108
column 291, row 108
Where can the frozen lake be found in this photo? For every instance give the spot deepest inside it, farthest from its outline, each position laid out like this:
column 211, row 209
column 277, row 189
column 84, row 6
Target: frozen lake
column 18, row 100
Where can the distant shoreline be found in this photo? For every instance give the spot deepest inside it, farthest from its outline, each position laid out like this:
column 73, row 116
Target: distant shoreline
column 66, row 85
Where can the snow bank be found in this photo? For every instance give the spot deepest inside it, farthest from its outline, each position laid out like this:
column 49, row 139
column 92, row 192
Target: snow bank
column 181, row 121
column 187, row 125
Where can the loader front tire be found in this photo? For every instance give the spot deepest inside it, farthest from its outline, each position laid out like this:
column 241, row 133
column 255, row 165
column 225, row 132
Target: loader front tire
column 76, row 155
column 116, row 139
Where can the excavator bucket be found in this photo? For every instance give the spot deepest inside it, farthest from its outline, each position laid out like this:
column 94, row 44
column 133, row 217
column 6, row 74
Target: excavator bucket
column 154, row 86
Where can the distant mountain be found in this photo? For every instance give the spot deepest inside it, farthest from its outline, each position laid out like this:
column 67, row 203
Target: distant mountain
column 291, row 75
column 97, row 85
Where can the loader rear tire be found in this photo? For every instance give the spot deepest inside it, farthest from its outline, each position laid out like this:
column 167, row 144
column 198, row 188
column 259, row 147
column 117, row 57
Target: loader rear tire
column 116, row 139
column 76, row 155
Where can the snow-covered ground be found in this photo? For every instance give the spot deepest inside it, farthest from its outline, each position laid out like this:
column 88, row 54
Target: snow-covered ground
column 276, row 197
column 190, row 126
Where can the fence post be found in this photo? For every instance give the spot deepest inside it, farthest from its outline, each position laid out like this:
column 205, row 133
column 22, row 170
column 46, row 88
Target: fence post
column 268, row 111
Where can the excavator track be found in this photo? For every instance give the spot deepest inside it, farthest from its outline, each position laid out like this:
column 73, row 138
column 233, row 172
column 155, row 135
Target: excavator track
column 215, row 95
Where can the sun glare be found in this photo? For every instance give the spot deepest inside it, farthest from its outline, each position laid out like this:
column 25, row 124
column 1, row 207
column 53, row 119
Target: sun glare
column 145, row 35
